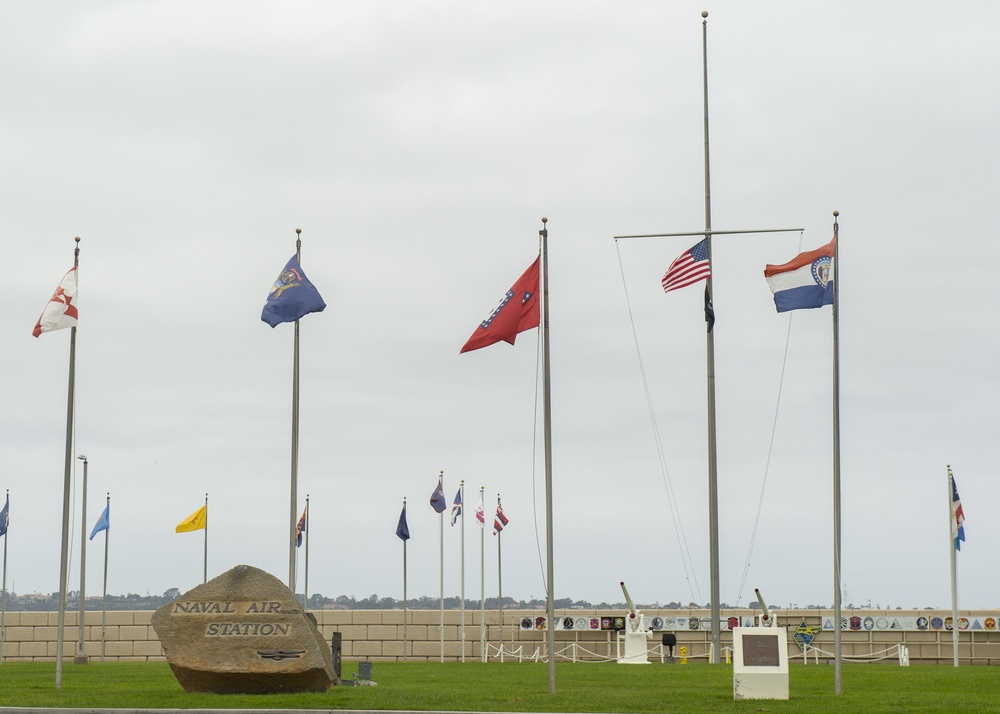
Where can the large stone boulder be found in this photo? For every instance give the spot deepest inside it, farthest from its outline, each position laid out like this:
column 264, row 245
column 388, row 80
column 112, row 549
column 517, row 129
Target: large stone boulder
column 243, row 633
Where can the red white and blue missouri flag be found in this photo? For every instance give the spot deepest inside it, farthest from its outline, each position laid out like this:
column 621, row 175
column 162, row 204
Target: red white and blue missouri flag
column 518, row 311
column 806, row 281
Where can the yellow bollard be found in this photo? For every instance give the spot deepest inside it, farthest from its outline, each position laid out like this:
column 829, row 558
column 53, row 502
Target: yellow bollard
column 684, row 655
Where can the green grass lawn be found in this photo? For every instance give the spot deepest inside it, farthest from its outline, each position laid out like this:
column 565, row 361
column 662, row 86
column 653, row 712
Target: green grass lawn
column 515, row 687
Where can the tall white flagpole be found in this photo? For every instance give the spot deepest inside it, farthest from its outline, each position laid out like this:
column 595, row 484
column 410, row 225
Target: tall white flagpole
column 462, row 516
column 954, row 566
column 550, row 635
column 81, row 655
column 293, row 500
column 499, row 533
column 67, row 472
column 305, row 584
column 204, row 572
column 3, row 609
column 837, row 637
column 713, row 481
column 405, row 614
column 713, row 477
column 104, row 601
column 482, row 575
column 441, row 520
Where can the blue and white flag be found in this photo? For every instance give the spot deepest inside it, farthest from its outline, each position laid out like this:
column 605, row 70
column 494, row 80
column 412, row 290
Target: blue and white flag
column 438, row 501
column 957, row 516
column 291, row 296
column 5, row 517
column 103, row 523
column 456, row 510
column 401, row 529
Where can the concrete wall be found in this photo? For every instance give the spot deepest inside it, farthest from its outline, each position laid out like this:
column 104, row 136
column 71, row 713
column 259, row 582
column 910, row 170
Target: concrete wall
column 379, row 635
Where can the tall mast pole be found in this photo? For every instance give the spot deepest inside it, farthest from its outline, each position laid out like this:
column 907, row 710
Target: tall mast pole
column 499, row 533
column 81, row 655
column 405, row 613
column 293, row 501
column 482, row 576
column 713, row 483
column 550, row 634
column 67, row 471
column 305, row 582
column 954, row 567
column 3, row 593
column 104, row 601
column 204, row 558
column 837, row 638
column 441, row 569
column 461, row 489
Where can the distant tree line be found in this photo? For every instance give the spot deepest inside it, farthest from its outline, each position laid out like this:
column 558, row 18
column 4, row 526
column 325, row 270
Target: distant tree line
column 317, row 601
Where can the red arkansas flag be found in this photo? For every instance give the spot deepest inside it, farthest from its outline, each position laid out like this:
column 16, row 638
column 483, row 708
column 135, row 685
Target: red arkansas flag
column 60, row 312
column 517, row 312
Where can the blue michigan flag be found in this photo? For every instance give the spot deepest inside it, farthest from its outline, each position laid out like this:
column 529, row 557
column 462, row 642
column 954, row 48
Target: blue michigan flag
column 401, row 530
column 103, row 523
column 291, row 296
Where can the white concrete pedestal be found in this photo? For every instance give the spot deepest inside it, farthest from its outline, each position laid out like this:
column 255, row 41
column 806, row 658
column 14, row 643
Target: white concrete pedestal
column 760, row 663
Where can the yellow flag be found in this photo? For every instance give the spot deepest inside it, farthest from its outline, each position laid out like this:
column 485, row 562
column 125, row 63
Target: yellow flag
column 195, row 522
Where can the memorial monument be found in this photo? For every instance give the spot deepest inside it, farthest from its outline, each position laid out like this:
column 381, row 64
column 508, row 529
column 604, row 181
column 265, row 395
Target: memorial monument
column 760, row 658
column 243, row 632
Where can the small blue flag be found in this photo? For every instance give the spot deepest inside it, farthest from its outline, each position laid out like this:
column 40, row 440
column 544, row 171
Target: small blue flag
column 102, row 524
column 456, row 510
column 401, row 530
column 437, row 498
column 291, row 296
column 5, row 517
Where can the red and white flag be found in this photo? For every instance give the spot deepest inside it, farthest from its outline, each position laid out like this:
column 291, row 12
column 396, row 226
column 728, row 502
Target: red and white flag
column 499, row 520
column 61, row 309
column 480, row 513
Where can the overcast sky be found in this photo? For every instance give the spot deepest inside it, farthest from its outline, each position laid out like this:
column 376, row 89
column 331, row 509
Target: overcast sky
column 417, row 145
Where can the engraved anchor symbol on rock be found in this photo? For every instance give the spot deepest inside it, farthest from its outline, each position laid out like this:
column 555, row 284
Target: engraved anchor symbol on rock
column 278, row 655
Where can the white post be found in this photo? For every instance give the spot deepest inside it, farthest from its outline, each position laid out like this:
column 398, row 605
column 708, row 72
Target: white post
column 461, row 489
column 441, row 519
column 954, row 566
column 81, row 656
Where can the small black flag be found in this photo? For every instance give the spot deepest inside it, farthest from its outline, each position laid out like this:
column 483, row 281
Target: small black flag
column 709, row 310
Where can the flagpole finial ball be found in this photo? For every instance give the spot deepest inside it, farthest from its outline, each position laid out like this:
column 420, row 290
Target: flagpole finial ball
column 836, row 213
column 298, row 231
column 704, row 13
column 77, row 239
column 544, row 219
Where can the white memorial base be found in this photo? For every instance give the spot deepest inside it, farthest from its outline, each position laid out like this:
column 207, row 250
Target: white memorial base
column 760, row 663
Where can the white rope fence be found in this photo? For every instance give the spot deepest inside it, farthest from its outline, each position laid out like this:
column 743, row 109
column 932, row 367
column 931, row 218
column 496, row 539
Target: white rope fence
column 575, row 652
column 899, row 651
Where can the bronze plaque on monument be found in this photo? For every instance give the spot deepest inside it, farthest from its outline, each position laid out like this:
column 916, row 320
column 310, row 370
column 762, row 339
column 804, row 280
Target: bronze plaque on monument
column 243, row 633
column 760, row 651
